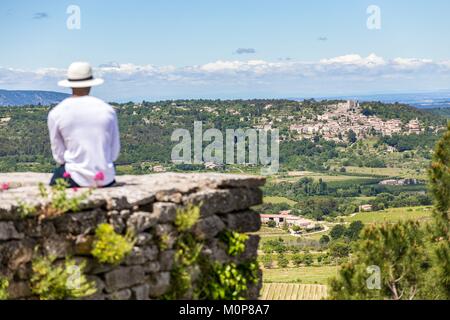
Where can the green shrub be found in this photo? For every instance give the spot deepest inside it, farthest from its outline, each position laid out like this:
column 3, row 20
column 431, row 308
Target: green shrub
column 267, row 261
column 4, row 285
column 228, row 281
column 186, row 218
column 57, row 282
column 187, row 254
column 235, row 242
column 187, row 250
column 25, row 209
column 282, row 260
column 297, row 259
column 110, row 247
column 271, row 224
column 59, row 201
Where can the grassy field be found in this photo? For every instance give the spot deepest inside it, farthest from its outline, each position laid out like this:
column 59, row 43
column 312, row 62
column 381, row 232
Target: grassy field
column 384, row 172
column 297, row 175
column 291, row 291
column 267, row 234
column 392, row 215
column 306, row 275
column 277, row 200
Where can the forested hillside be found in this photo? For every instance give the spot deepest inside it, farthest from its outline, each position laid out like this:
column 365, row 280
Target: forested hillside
column 146, row 129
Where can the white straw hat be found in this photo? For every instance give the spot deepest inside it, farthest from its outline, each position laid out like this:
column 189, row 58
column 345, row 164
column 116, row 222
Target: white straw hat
column 80, row 75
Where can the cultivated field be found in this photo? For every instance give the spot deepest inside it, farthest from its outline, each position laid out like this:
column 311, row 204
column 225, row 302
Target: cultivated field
column 392, row 215
column 277, row 200
column 292, row 291
column 307, row 275
column 385, row 172
column 297, row 175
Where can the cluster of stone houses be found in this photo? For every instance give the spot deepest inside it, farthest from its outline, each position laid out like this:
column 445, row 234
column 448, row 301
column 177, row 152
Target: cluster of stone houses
column 344, row 117
column 399, row 182
column 285, row 218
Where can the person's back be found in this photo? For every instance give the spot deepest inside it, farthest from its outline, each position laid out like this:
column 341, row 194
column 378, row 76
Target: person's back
column 84, row 134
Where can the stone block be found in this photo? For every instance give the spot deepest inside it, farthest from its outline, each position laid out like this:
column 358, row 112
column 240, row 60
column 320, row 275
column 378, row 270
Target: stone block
column 140, row 292
column 141, row 221
column 159, row 284
column 119, row 295
column 8, row 232
column 79, row 223
column 165, row 212
column 247, row 221
column 208, row 227
column 124, row 277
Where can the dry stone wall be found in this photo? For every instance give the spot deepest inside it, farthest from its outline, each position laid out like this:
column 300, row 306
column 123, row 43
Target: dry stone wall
column 146, row 204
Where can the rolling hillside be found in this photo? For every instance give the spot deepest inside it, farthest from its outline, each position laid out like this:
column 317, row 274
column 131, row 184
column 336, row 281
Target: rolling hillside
column 22, row 98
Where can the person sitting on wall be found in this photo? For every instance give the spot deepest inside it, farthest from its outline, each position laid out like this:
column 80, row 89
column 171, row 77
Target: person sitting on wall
column 84, row 133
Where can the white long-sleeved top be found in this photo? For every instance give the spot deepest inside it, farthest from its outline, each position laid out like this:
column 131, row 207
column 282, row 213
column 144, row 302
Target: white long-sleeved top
column 84, row 135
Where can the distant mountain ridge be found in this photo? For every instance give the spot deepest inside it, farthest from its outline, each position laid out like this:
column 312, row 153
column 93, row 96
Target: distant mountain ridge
column 28, row 97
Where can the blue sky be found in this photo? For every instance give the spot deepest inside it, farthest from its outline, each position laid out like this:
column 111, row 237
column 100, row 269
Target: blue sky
column 178, row 48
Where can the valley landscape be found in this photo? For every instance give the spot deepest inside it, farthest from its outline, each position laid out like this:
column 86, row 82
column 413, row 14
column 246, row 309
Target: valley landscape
column 344, row 165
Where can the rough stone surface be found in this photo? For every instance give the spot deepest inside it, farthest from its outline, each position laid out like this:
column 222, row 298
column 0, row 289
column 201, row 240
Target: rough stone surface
column 141, row 221
column 140, row 292
column 144, row 205
column 248, row 221
column 165, row 212
column 124, row 277
column 159, row 284
column 8, row 231
column 208, row 227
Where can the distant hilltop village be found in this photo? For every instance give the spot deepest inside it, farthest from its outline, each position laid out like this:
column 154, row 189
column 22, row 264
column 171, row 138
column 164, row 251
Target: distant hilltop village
column 345, row 117
column 340, row 119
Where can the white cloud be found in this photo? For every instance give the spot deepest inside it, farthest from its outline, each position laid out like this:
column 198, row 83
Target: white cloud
column 354, row 59
column 348, row 73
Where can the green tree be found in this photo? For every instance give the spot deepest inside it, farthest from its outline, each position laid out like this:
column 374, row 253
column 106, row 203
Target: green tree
column 337, row 231
column 352, row 138
column 398, row 251
column 283, row 261
column 339, row 249
column 271, row 224
column 324, row 240
column 308, row 259
column 440, row 189
column 353, row 230
column 297, row 259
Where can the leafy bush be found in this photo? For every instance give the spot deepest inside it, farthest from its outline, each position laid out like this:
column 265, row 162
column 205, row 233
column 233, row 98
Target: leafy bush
column 324, row 240
column 228, row 281
column 337, row 231
column 235, row 242
column 283, row 261
column 187, row 254
column 4, row 284
column 297, row 259
column 271, row 224
column 59, row 201
column 267, row 261
column 186, row 218
column 110, row 247
column 57, row 282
